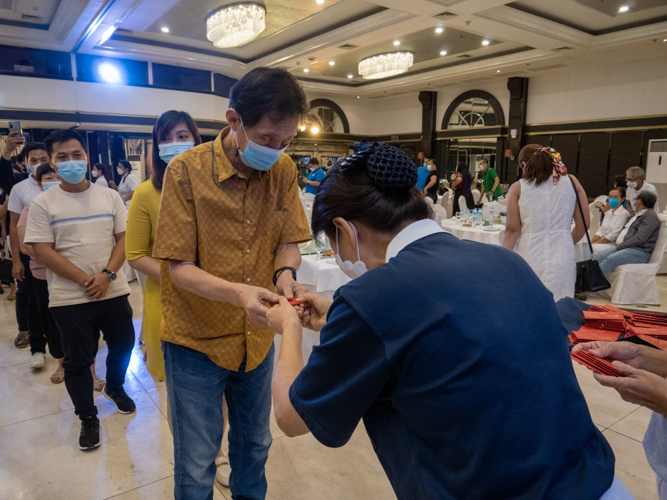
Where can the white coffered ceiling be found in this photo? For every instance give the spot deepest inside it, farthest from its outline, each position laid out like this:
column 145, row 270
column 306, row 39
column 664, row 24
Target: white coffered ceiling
column 525, row 36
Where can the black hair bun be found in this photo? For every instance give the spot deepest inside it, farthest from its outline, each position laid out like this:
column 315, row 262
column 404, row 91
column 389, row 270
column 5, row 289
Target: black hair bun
column 390, row 168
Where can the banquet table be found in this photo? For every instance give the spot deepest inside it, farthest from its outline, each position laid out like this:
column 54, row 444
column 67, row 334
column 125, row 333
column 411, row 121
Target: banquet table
column 496, row 237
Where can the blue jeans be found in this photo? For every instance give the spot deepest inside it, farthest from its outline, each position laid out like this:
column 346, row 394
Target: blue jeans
column 195, row 385
column 611, row 258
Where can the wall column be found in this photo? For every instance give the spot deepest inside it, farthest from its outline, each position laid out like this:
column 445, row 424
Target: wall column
column 429, row 102
column 518, row 88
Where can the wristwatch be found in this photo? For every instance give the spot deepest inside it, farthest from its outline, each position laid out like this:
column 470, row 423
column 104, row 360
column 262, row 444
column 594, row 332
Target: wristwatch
column 277, row 274
column 110, row 274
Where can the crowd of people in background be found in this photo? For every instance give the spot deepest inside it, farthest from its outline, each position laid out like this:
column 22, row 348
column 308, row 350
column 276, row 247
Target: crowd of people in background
column 215, row 231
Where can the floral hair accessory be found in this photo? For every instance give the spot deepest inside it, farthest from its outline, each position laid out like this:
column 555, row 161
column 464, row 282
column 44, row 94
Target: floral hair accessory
column 559, row 167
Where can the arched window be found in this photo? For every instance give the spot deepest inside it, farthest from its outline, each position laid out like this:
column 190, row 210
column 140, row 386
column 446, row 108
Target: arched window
column 473, row 109
column 329, row 117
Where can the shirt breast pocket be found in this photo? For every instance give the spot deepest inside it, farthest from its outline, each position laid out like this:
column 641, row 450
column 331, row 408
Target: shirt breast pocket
column 272, row 228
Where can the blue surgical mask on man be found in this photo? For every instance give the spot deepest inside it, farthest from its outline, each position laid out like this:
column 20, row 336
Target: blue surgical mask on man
column 72, row 171
column 256, row 156
column 168, row 151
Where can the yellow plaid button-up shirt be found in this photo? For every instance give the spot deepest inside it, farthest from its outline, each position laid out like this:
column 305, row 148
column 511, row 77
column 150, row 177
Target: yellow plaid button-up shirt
column 231, row 228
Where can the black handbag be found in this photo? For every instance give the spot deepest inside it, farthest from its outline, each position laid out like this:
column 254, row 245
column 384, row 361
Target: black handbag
column 5, row 263
column 590, row 277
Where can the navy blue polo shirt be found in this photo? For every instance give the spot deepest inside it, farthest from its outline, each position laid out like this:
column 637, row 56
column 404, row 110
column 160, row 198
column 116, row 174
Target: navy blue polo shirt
column 465, row 394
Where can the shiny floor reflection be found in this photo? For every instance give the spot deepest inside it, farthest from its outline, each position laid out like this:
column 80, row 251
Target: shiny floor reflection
column 39, row 457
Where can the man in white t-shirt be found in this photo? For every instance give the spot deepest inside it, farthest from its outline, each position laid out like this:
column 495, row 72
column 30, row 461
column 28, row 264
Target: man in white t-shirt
column 20, row 196
column 636, row 184
column 77, row 231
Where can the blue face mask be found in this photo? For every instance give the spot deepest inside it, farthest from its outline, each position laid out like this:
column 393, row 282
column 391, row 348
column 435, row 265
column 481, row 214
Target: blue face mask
column 49, row 185
column 168, row 151
column 259, row 157
column 613, row 202
column 72, row 171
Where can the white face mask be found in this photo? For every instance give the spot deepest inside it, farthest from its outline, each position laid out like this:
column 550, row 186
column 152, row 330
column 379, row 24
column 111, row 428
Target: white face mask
column 632, row 185
column 351, row 270
column 93, row 173
column 120, row 171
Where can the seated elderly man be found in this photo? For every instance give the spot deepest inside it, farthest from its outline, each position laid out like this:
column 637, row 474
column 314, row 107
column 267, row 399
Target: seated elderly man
column 637, row 240
column 635, row 180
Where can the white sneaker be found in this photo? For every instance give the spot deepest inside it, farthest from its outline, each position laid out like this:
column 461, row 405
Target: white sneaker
column 224, row 470
column 37, row 362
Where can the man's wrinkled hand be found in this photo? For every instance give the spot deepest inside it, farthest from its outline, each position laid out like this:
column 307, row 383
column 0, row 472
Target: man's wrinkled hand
column 253, row 299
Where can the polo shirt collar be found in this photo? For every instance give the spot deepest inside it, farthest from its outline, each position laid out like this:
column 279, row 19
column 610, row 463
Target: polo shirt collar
column 413, row 232
column 223, row 166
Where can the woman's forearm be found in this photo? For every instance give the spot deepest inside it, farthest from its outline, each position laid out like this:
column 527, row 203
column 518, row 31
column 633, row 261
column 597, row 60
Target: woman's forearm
column 511, row 237
column 577, row 233
column 288, row 367
column 146, row 265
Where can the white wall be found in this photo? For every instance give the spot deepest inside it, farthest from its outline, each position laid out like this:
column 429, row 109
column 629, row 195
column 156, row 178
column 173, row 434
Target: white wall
column 57, row 95
column 618, row 91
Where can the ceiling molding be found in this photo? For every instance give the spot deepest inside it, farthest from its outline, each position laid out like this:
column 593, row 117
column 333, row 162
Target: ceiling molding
column 334, row 37
column 538, row 26
column 632, row 35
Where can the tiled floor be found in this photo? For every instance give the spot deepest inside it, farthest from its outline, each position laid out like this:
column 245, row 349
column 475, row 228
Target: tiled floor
column 39, row 457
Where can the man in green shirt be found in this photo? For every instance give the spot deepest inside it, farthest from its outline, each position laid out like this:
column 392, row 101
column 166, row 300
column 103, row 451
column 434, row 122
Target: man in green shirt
column 490, row 181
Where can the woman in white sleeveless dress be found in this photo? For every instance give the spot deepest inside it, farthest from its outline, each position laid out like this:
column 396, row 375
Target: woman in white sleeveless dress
column 540, row 209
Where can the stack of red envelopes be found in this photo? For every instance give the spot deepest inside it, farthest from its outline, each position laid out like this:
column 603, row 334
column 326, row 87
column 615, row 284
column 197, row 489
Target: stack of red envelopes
column 605, row 321
column 611, row 309
column 588, row 334
column 598, row 365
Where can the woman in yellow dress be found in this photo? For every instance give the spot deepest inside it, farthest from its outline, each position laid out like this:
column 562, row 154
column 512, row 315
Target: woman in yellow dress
column 173, row 133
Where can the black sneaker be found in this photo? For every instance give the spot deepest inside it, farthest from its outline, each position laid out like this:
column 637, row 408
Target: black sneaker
column 90, row 434
column 119, row 397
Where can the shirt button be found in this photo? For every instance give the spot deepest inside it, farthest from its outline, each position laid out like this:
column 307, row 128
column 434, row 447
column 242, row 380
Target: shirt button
column 248, row 279
column 248, row 222
column 247, row 251
column 248, row 333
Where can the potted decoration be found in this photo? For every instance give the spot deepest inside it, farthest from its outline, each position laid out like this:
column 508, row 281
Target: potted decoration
column 503, row 217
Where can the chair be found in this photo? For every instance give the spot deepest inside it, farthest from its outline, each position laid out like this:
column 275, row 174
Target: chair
column 476, row 195
column 462, row 203
column 636, row 283
column 444, row 201
column 593, row 209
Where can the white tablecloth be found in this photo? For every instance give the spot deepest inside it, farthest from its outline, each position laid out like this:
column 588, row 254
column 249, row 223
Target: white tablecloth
column 479, row 234
column 581, row 250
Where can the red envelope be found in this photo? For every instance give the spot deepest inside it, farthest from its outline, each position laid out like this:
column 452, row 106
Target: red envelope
column 598, row 365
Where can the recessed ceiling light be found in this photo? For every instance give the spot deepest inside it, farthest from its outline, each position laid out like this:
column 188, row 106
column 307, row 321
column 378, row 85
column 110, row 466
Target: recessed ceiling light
column 443, row 52
column 358, row 97
column 485, row 42
column 665, row 40
column 439, row 29
column 165, row 29
column 625, row 8
column 314, row 130
column 331, row 63
column 306, row 70
column 320, row 1
column 302, row 128
column 497, row 71
column 397, row 42
column 350, row 76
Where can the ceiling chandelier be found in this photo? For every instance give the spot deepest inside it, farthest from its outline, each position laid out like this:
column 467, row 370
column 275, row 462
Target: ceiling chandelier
column 236, row 24
column 384, row 65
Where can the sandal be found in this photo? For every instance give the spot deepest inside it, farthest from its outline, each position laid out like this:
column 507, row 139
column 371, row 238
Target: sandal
column 58, row 376
column 99, row 384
